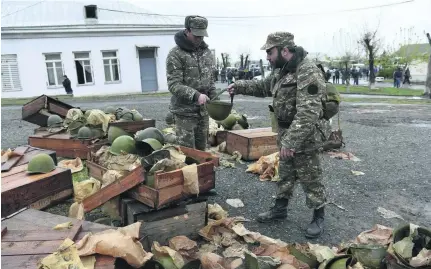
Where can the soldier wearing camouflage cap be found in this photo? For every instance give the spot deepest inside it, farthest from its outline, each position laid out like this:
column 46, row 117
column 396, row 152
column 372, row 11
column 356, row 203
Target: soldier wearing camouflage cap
column 297, row 88
column 189, row 68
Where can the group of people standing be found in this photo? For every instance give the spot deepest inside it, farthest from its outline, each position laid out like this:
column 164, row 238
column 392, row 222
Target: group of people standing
column 297, row 87
column 398, row 77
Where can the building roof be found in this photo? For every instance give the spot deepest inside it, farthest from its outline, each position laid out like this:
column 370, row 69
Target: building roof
column 71, row 13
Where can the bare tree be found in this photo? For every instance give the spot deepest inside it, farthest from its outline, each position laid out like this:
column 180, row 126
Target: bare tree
column 371, row 44
column 226, row 59
column 428, row 80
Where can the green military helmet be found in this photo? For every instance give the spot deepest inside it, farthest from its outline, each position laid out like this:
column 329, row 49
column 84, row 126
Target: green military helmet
column 127, row 116
column 123, row 145
column 114, row 132
column 370, row 256
column 121, row 111
column 154, row 143
column 54, row 120
column 110, row 110
column 169, row 119
column 243, row 122
column 84, row 133
column 229, row 122
column 339, row 262
column 97, row 133
column 137, row 116
column 150, row 132
column 41, row 163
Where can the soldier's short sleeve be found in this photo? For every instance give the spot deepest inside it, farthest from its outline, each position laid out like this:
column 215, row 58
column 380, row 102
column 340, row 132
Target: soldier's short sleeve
column 310, row 90
column 175, row 73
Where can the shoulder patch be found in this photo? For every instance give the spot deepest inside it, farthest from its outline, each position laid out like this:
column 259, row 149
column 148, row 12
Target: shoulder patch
column 313, row 89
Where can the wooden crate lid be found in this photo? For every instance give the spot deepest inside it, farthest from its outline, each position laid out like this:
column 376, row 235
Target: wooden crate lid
column 252, row 133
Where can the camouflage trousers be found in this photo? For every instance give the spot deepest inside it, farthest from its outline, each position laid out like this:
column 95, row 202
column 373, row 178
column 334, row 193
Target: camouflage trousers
column 306, row 170
column 192, row 132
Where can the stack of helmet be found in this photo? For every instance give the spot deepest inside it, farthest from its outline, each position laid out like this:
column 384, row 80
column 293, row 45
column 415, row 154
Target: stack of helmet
column 125, row 114
column 149, row 140
column 123, row 144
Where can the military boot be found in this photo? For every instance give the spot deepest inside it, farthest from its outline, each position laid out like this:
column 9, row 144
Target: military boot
column 315, row 228
column 278, row 211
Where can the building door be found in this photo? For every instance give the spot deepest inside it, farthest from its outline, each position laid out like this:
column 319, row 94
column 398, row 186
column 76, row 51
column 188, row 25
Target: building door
column 147, row 64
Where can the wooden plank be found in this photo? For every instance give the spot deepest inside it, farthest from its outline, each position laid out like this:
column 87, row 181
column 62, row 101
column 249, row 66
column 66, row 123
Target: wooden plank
column 33, row 106
column 64, row 147
column 14, row 160
column 201, row 156
column 144, row 194
column 30, row 261
column 14, row 170
column 29, row 248
column 3, row 231
column 42, row 235
column 21, row 190
column 75, row 230
column 58, row 109
column 52, row 199
column 127, row 182
column 163, row 180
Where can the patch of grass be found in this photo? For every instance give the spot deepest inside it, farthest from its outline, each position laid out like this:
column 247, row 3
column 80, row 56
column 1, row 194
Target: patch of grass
column 81, row 175
column 389, row 101
column 381, row 91
column 93, row 98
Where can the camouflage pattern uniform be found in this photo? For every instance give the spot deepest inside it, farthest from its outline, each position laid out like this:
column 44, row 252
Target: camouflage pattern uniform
column 297, row 101
column 190, row 73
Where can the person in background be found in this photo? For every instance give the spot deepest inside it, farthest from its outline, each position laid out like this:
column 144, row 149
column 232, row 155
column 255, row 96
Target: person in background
column 407, row 76
column 67, row 85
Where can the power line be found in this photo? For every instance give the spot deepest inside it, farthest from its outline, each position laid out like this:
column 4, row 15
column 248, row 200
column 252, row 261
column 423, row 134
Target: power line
column 22, row 9
column 264, row 16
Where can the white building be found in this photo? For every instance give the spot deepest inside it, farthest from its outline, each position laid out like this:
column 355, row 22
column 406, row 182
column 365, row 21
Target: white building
column 104, row 47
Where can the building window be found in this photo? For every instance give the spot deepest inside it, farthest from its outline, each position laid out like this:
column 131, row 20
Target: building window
column 91, row 12
column 54, row 68
column 84, row 71
column 10, row 73
column 111, row 66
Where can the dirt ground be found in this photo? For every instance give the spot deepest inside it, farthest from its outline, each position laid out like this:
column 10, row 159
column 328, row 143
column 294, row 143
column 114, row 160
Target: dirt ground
column 392, row 142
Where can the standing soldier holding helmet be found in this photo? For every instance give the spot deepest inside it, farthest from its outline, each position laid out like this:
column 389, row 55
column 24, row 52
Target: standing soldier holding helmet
column 189, row 68
column 297, row 90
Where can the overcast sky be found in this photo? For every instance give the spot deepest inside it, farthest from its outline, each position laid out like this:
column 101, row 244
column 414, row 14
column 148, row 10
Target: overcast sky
column 316, row 33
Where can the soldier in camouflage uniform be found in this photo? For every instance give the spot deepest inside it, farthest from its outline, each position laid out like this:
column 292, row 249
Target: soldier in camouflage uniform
column 189, row 68
column 297, row 89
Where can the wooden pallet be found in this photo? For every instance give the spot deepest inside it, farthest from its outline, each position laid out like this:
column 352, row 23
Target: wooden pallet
column 39, row 109
column 28, row 237
column 252, row 143
column 162, row 225
column 168, row 187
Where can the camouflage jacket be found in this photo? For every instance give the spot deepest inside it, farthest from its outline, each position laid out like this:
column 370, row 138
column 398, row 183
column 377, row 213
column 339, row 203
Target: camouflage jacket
column 297, row 101
column 190, row 72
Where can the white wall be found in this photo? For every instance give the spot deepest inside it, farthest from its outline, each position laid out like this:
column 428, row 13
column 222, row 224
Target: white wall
column 33, row 74
column 418, row 71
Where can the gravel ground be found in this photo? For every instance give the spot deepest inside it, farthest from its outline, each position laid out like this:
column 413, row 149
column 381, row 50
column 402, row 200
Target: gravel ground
column 392, row 142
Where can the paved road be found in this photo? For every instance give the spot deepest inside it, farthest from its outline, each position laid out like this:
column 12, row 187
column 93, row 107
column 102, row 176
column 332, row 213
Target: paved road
column 392, row 142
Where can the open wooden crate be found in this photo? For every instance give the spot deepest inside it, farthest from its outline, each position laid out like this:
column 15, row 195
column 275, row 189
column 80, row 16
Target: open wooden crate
column 39, row 109
column 168, row 186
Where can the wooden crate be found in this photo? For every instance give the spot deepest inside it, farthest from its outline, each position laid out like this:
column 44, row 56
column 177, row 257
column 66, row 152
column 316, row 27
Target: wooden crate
column 168, row 187
column 162, row 225
column 69, row 147
column 28, row 237
column 252, row 143
column 33, row 111
column 20, row 189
